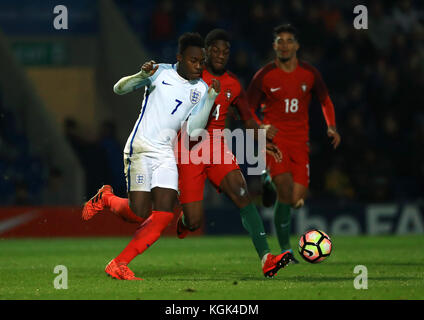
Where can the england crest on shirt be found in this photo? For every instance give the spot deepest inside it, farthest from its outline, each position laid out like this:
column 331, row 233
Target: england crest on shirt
column 195, row 96
column 139, row 179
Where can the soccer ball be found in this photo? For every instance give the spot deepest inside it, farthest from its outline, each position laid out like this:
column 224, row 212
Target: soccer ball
column 315, row 245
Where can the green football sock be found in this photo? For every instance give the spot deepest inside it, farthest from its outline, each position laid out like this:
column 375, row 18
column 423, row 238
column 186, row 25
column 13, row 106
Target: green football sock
column 252, row 222
column 282, row 217
column 183, row 221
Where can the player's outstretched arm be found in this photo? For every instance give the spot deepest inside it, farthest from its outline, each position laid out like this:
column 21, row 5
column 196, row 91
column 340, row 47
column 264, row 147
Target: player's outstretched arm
column 200, row 114
column 327, row 108
column 136, row 81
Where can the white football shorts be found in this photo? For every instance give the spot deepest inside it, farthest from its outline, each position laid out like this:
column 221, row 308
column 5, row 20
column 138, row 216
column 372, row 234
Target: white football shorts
column 148, row 169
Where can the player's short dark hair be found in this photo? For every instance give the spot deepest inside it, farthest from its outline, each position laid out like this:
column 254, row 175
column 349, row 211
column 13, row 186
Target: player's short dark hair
column 189, row 39
column 216, row 34
column 286, row 27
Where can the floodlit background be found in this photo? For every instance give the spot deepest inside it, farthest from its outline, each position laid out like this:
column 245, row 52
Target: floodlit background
column 62, row 130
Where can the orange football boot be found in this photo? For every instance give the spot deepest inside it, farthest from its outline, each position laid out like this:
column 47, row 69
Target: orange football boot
column 96, row 204
column 120, row 271
column 274, row 263
column 182, row 230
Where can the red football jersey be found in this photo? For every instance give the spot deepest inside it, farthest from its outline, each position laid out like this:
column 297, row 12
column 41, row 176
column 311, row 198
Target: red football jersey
column 232, row 93
column 285, row 97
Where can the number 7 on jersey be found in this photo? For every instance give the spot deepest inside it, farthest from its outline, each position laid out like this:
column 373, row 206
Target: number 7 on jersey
column 176, row 107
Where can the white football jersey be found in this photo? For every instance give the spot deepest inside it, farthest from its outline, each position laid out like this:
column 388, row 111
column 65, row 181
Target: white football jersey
column 168, row 101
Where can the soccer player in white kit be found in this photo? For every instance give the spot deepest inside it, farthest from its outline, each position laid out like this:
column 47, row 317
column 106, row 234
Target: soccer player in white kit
column 173, row 94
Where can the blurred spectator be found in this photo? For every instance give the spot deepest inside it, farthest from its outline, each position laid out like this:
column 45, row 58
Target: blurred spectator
column 337, row 184
column 22, row 172
column 312, row 29
column 56, row 192
column 210, row 20
column 112, row 150
column 72, row 134
column 406, row 17
column 90, row 155
column 163, row 25
column 331, row 16
column 380, row 26
column 22, row 195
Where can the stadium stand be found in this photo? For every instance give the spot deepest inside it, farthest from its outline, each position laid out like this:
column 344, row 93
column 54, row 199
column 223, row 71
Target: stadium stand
column 24, row 175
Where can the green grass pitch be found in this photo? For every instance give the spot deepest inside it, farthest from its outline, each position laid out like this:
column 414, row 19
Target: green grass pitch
column 210, row 268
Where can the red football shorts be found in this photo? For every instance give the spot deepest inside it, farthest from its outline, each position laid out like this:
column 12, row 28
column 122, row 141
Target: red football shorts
column 295, row 160
column 192, row 176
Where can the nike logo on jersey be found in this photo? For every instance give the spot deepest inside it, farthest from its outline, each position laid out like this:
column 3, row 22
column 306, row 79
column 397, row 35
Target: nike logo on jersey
column 274, row 89
column 168, row 84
